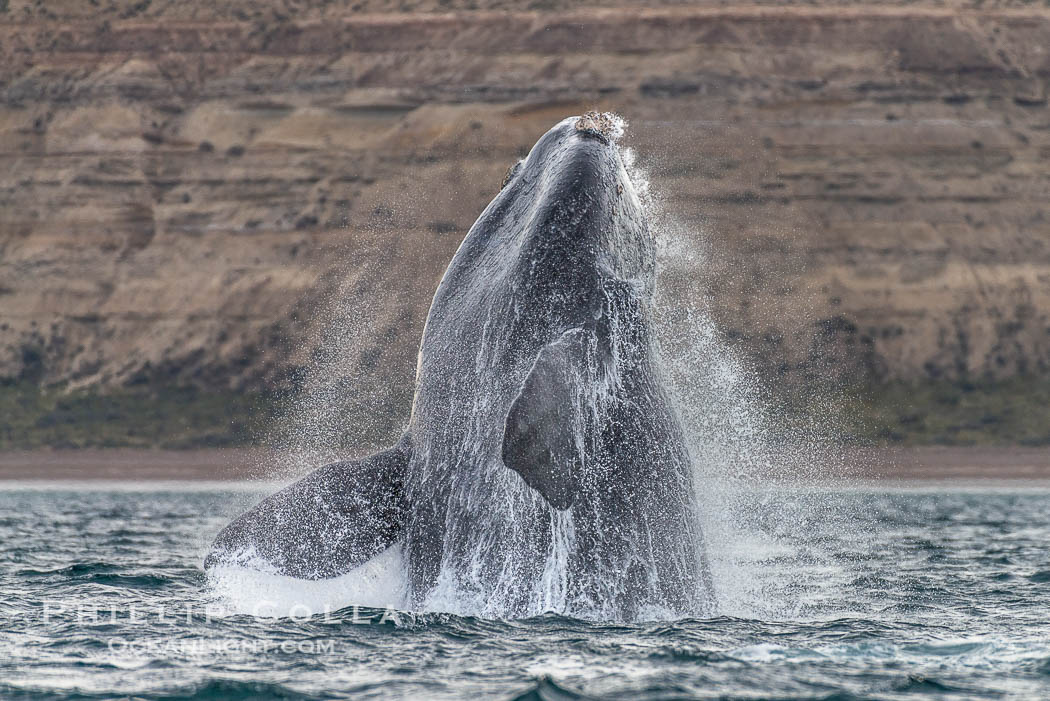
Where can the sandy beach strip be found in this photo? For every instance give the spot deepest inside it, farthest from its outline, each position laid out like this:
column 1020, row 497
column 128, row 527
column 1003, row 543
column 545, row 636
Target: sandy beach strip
column 132, row 465
column 931, row 463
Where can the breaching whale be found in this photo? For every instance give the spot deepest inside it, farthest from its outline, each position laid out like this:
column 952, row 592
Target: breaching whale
column 543, row 466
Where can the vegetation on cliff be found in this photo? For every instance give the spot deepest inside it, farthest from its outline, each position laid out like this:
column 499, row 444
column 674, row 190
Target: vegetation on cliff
column 1014, row 411
column 174, row 417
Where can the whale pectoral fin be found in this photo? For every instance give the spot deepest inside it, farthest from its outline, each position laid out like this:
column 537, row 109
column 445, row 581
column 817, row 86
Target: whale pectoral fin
column 324, row 525
column 541, row 439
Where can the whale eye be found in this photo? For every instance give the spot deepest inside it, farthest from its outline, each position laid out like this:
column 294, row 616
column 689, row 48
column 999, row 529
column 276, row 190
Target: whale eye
column 511, row 172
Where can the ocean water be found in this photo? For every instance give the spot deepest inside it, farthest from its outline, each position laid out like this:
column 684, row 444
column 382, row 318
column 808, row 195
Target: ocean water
column 892, row 592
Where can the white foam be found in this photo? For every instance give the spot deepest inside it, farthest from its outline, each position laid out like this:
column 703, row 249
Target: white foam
column 618, row 125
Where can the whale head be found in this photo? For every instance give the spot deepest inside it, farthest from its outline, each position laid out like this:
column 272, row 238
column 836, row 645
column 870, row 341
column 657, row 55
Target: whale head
column 567, row 208
column 552, row 286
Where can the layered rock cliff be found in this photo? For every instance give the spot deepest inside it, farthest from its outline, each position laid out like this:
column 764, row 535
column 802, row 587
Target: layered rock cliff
column 190, row 194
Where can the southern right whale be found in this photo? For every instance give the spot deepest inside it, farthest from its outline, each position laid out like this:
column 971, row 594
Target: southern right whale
column 543, row 466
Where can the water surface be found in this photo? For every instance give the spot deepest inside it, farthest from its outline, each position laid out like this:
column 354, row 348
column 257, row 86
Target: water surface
column 892, row 593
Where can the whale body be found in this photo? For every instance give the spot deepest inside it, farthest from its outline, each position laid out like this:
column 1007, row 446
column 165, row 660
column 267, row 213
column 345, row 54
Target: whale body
column 543, row 467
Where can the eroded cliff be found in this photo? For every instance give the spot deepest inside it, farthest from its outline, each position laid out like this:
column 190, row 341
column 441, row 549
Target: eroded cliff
column 187, row 192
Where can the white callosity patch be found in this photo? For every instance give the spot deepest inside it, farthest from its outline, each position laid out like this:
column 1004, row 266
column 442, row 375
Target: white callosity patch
column 606, row 124
column 247, row 587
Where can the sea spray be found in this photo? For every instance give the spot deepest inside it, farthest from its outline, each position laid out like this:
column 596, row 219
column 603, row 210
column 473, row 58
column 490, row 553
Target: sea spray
column 745, row 458
column 346, row 400
column 738, row 456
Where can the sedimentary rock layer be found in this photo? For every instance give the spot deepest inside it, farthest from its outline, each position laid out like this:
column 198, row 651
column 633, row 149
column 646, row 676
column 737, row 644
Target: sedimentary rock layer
column 190, row 194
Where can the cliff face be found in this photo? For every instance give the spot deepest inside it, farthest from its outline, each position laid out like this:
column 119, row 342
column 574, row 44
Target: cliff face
column 186, row 193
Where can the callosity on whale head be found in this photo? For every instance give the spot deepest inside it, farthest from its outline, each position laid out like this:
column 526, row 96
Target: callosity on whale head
column 543, row 467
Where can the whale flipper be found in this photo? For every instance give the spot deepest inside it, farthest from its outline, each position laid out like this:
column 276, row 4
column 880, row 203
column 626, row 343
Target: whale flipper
column 543, row 433
column 332, row 520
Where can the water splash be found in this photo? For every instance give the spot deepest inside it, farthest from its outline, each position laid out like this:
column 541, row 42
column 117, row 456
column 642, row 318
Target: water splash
column 738, row 454
column 742, row 453
column 343, row 404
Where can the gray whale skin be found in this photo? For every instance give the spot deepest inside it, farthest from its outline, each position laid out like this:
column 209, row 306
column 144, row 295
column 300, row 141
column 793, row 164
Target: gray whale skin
column 543, row 466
